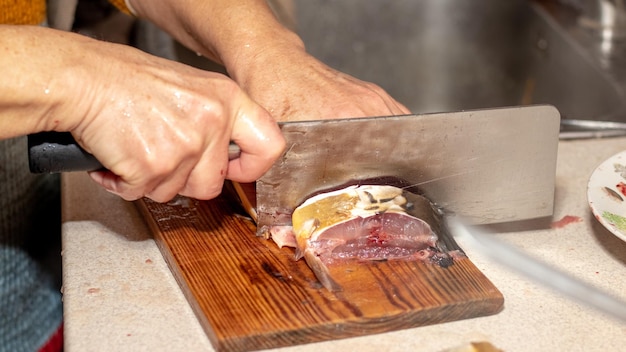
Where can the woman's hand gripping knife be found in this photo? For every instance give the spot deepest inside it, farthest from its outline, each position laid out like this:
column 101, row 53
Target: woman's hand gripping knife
column 160, row 127
column 267, row 60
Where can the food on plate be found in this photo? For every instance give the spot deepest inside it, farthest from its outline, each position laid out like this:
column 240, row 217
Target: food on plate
column 364, row 223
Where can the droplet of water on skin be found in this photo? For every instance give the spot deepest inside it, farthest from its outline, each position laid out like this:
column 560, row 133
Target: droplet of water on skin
column 127, row 112
column 178, row 96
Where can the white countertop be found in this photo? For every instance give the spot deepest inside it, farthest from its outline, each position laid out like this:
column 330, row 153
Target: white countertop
column 119, row 294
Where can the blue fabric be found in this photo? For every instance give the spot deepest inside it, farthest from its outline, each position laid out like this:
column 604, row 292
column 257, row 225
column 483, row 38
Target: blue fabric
column 30, row 298
column 30, row 306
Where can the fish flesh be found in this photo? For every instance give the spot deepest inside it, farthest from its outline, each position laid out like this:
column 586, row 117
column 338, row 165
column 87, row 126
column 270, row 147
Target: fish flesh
column 364, row 223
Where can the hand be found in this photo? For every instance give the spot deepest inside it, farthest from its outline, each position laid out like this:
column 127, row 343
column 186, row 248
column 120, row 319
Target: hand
column 310, row 90
column 163, row 128
column 268, row 60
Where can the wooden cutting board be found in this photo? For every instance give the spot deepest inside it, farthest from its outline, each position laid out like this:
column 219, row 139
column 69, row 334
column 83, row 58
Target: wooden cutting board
column 249, row 295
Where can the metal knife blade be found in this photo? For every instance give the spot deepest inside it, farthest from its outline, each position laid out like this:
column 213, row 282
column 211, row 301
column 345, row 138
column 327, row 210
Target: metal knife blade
column 538, row 271
column 490, row 166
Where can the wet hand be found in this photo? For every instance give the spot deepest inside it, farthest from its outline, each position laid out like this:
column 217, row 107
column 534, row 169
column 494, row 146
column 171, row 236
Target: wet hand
column 163, row 128
column 296, row 86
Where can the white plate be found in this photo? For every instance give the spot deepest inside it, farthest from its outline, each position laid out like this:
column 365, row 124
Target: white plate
column 606, row 193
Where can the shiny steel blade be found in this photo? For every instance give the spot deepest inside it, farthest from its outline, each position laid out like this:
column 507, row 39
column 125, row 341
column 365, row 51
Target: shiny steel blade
column 490, row 165
column 582, row 129
column 537, row 270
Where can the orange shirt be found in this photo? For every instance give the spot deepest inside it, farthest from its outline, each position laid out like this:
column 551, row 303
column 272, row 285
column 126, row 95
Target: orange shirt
column 34, row 11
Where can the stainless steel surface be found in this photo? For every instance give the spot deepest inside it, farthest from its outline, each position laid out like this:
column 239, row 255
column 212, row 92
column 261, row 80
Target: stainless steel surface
column 601, row 39
column 582, row 129
column 607, row 17
column 491, row 166
column 450, row 55
column 540, row 272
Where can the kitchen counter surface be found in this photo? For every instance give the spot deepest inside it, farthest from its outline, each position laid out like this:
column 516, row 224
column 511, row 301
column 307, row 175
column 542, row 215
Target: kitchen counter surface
column 119, row 294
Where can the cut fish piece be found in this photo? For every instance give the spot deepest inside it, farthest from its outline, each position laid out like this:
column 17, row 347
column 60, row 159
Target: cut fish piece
column 364, row 223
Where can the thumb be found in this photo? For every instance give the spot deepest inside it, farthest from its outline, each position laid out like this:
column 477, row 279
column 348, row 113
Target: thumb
column 260, row 140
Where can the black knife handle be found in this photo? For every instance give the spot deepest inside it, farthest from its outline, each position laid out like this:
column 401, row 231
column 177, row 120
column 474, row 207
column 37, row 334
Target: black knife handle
column 54, row 152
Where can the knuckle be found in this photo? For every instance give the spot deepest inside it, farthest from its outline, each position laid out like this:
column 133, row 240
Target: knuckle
column 280, row 146
column 161, row 197
column 203, row 193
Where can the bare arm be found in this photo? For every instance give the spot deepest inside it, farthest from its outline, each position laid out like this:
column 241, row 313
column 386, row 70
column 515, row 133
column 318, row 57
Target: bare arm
column 161, row 127
column 268, row 60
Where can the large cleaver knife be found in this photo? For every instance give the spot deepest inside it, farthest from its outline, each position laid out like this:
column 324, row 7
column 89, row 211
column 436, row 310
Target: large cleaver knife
column 489, row 166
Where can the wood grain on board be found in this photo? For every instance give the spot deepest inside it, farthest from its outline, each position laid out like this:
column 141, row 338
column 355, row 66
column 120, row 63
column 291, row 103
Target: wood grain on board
column 249, row 295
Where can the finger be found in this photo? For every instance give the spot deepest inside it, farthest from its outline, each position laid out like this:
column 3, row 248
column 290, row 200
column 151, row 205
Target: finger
column 399, row 108
column 172, row 184
column 394, row 107
column 133, row 180
column 114, row 184
column 260, row 140
column 207, row 177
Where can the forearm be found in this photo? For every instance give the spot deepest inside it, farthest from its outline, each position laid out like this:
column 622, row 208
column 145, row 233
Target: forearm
column 35, row 65
column 235, row 33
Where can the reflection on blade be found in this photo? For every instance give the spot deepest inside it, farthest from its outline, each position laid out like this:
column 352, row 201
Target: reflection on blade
column 538, row 271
